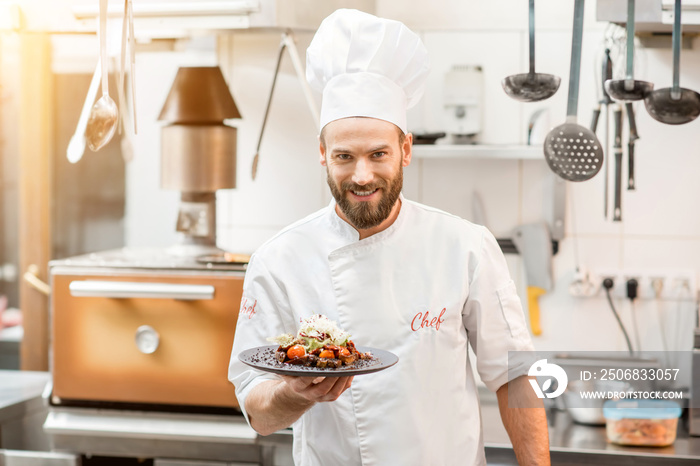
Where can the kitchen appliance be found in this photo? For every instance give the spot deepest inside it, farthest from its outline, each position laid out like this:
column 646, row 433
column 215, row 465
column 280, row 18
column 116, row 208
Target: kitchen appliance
column 141, row 328
column 463, row 102
column 198, row 153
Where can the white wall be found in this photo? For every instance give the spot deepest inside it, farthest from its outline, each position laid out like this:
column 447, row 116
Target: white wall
column 660, row 229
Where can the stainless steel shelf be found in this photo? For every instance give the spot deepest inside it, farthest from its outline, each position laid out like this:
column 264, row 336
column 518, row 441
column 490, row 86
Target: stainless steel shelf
column 478, row 151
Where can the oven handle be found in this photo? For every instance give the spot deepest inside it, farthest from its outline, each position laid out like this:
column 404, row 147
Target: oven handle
column 110, row 289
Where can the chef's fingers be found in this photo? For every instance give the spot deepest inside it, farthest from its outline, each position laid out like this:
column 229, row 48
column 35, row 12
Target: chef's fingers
column 331, row 388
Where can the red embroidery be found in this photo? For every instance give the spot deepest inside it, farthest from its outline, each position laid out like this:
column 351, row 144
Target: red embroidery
column 425, row 323
column 248, row 310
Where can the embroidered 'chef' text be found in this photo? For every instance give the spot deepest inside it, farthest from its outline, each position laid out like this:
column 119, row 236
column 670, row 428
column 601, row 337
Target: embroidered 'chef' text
column 248, row 310
column 423, row 320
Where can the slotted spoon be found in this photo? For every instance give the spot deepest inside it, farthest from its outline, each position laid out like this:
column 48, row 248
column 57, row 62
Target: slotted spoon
column 573, row 151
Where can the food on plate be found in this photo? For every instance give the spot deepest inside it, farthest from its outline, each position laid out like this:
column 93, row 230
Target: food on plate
column 318, row 343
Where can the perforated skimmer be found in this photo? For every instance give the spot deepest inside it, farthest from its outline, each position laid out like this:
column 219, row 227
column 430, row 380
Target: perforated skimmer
column 573, row 151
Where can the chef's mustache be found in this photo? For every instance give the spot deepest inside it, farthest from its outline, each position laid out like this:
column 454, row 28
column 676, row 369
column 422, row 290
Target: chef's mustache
column 350, row 186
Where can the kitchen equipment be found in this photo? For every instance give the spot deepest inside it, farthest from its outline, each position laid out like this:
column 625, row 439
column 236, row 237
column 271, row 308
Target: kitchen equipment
column 103, row 118
column 463, row 101
column 604, row 101
column 538, row 126
column 427, row 138
column 674, row 105
column 531, row 86
column 633, row 136
column 198, row 153
column 76, row 145
column 617, row 149
column 478, row 210
column 589, row 410
column 534, row 244
column 694, row 408
column 143, row 328
column 256, row 159
column 132, row 67
column 572, row 151
column 650, row 423
column 629, row 88
column 122, row 64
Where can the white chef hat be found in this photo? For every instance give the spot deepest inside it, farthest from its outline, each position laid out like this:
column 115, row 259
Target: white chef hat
column 366, row 66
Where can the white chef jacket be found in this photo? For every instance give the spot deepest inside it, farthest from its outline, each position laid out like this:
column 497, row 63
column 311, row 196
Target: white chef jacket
column 422, row 289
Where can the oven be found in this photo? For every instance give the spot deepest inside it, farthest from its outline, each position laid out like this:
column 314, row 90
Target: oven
column 143, row 329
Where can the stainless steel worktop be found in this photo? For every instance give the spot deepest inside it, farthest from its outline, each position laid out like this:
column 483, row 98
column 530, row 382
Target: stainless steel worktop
column 582, row 444
column 22, row 411
column 570, row 443
column 20, row 391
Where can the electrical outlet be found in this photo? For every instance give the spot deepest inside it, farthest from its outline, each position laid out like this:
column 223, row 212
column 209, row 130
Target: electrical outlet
column 618, row 289
column 679, row 285
column 665, row 284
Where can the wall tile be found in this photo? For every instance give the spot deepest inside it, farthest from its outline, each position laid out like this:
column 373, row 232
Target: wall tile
column 449, row 184
column 500, row 114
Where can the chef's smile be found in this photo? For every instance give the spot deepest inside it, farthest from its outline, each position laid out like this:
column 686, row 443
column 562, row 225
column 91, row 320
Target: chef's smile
column 364, row 159
column 364, row 195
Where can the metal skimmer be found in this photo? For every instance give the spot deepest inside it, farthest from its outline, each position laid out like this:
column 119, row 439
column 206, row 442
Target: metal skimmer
column 573, row 151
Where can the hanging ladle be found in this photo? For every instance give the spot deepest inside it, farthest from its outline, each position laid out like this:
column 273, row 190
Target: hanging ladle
column 531, row 87
column 104, row 115
column 629, row 89
column 674, row 105
column 572, row 151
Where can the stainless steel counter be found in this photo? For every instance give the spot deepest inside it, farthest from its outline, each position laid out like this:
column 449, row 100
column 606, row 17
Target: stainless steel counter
column 22, row 411
column 574, row 444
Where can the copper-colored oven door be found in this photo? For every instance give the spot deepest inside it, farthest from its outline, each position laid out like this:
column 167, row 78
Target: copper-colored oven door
column 163, row 339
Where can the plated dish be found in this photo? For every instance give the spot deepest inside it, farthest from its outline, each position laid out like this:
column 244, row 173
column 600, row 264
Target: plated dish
column 264, row 358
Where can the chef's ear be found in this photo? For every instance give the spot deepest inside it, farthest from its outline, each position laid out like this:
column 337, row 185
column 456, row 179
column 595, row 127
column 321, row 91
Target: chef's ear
column 406, row 149
column 321, row 151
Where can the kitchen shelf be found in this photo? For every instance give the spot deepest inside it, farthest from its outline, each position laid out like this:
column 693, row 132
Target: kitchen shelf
column 477, row 151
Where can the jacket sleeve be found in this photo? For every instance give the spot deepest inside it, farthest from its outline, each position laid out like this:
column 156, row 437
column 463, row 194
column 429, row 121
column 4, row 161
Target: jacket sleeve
column 262, row 305
column 494, row 319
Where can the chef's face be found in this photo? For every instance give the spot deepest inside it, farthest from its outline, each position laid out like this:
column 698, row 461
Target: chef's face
column 364, row 160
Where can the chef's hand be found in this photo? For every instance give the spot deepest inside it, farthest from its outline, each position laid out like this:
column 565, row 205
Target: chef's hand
column 276, row 404
column 319, row 389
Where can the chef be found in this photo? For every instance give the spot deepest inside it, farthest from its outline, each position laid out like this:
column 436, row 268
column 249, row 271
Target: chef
column 395, row 274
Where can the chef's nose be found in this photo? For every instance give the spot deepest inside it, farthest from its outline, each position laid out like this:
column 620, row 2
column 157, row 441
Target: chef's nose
column 363, row 172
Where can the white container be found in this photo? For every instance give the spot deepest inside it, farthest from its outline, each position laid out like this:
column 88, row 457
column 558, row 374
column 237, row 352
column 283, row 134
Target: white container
column 646, row 423
column 463, row 102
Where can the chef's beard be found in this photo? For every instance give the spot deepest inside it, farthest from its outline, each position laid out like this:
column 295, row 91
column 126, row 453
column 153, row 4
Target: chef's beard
column 365, row 215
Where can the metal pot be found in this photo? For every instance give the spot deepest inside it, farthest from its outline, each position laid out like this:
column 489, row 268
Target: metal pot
column 590, row 410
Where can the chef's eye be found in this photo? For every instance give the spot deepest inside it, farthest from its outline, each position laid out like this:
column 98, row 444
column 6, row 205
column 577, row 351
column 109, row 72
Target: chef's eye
column 378, row 155
column 343, row 156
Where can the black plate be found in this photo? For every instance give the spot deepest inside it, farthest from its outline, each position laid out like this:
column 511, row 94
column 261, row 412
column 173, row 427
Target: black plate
column 263, row 358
